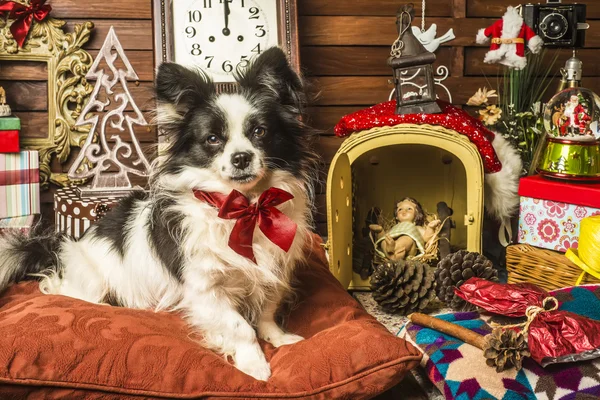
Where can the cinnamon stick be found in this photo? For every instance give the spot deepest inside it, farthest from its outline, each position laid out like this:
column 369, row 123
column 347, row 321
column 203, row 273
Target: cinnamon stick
column 454, row 330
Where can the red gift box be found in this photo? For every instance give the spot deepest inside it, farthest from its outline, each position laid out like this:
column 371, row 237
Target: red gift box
column 9, row 141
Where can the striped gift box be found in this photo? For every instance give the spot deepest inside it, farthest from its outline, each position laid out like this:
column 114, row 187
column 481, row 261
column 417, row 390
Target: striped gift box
column 23, row 224
column 19, row 184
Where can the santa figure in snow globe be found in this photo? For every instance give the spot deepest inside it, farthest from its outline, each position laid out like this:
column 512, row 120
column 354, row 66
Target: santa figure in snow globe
column 575, row 118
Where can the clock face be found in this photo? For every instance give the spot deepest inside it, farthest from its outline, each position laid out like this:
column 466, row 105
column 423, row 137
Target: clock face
column 222, row 35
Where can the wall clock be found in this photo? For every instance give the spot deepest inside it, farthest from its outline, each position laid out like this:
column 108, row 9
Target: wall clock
column 220, row 36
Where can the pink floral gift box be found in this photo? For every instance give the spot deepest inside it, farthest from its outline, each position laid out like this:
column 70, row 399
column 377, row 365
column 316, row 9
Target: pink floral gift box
column 551, row 211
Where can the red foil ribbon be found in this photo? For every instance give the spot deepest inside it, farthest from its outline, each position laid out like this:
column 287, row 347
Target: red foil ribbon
column 23, row 17
column 276, row 226
column 384, row 114
column 553, row 336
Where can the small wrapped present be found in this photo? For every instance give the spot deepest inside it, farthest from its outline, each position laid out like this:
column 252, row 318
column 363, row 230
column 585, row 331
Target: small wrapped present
column 75, row 214
column 19, row 184
column 554, row 336
column 551, row 211
column 9, row 134
column 23, row 224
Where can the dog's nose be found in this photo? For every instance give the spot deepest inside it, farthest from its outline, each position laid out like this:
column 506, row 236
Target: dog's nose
column 241, row 160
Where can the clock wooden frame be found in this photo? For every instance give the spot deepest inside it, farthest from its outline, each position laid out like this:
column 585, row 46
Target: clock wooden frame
column 287, row 16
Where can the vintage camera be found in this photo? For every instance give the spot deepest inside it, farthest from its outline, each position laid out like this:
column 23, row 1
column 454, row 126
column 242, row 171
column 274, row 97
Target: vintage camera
column 559, row 25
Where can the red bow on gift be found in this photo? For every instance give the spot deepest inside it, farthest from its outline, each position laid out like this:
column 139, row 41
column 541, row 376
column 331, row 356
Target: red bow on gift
column 23, row 16
column 276, row 226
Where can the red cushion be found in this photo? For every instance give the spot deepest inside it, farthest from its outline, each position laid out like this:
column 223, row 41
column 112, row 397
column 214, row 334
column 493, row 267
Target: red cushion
column 59, row 347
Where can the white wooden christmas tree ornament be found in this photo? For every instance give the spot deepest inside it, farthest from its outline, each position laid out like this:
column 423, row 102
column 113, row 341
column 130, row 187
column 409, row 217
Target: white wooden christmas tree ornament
column 109, row 160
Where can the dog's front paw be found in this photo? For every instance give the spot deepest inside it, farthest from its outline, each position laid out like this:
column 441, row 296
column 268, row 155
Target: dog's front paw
column 252, row 361
column 285, row 338
column 275, row 335
column 260, row 370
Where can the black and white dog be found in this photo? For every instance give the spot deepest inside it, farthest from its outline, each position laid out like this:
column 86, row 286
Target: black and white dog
column 174, row 249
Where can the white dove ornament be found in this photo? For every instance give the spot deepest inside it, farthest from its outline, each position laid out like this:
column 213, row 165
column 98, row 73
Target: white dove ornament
column 428, row 39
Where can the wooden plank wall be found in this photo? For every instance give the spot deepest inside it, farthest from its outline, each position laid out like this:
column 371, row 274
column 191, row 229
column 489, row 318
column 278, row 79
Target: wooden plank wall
column 345, row 45
column 25, row 82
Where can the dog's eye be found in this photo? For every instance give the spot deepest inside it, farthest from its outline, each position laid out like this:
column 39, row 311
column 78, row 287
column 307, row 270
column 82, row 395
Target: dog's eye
column 213, row 139
column 259, row 132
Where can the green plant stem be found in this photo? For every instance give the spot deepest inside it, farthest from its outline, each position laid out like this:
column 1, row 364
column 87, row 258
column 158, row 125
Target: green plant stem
column 518, row 91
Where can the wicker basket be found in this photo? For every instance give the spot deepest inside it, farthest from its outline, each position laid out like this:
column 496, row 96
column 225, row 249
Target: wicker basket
column 546, row 268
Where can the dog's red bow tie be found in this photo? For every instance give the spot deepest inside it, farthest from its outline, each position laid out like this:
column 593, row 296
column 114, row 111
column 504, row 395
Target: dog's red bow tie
column 276, row 226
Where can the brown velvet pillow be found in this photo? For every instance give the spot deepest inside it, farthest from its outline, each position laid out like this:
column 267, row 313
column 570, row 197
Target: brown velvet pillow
column 59, row 347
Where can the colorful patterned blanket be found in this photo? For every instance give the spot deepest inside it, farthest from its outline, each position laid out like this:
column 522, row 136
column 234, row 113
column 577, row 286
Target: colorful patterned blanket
column 459, row 370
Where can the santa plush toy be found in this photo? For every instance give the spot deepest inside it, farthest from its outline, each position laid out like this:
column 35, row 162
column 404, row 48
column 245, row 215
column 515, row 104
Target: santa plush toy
column 509, row 36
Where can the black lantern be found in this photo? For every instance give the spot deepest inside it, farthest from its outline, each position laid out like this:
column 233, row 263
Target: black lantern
column 413, row 73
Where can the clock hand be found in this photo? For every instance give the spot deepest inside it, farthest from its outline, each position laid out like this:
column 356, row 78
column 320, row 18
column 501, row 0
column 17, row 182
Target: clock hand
column 226, row 30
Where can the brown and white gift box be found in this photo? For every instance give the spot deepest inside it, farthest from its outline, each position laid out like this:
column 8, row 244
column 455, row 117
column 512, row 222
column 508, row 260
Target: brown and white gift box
column 74, row 214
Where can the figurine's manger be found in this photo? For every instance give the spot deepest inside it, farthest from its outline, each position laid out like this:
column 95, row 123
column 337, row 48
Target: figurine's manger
column 379, row 167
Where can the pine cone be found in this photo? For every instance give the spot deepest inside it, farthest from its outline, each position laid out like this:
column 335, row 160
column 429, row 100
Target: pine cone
column 454, row 269
column 505, row 349
column 403, row 286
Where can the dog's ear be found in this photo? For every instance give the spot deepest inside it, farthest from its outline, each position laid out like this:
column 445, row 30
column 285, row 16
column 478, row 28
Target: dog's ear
column 271, row 74
column 179, row 88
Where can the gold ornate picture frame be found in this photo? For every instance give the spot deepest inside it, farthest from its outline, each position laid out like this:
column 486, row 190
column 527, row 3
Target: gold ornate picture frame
column 68, row 90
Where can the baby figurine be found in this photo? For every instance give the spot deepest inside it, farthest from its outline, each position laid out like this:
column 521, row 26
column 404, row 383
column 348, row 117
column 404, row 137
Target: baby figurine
column 409, row 236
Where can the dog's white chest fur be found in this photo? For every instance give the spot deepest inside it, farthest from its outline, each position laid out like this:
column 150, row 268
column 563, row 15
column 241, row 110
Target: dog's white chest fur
column 213, row 262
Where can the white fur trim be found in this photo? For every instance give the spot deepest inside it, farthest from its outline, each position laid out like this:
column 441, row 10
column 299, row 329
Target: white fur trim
column 511, row 59
column 511, row 23
column 494, row 56
column 501, row 188
column 535, row 44
column 481, row 38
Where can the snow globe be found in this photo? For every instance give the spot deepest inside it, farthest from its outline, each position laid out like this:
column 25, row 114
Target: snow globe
column 571, row 148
